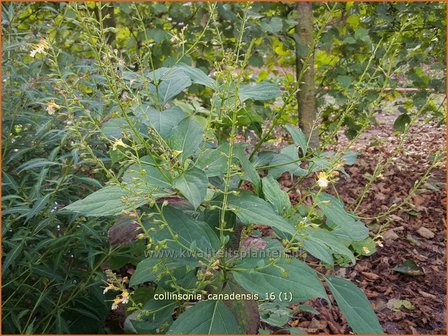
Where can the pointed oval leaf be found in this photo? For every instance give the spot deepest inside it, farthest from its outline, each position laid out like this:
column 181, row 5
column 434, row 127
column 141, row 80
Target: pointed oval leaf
column 192, row 184
column 108, row 201
column 206, row 317
column 296, row 278
column 262, row 91
column 334, row 210
column 355, row 306
column 186, row 137
column 275, row 195
column 251, row 209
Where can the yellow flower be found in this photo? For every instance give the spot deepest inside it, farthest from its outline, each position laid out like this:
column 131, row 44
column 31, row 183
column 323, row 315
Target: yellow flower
column 365, row 249
column 109, row 288
column 322, row 180
column 125, row 296
column 52, row 107
column 118, row 142
column 116, row 302
column 176, row 153
column 40, row 48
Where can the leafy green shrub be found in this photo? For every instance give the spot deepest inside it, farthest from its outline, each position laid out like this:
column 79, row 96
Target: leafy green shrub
column 199, row 197
column 139, row 121
column 52, row 264
column 193, row 245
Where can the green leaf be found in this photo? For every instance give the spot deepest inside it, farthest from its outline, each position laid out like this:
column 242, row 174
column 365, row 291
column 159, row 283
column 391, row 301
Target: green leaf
column 274, row 25
column 253, row 210
column 316, row 240
column 158, row 35
column 206, row 317
column 193, row 185
column 40, row 204
column 115, row 128
column 402, row 122
column 144, row 272
column 197, row 76
column 12, row 255
column 156, row 315
column 193, row 233
column 355, row 306
column 165, row 73
column 365, row 247
column 298, row 137
column 319, row 251
column 170, row 88
column 409, row 267
column 287, row 276
column 245, row 311
column 275, row 195
column 334, row 210
column 262, row 91
column 250, row 173
column 36, row 163
column 214, row 161
column 109, row 201
column 286, row 161
column 145, row 176
column 186, row 137
column 163, row 122
column 344, row 81
column 276, row 314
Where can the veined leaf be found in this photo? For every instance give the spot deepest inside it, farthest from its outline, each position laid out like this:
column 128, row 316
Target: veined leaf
column 250, row 173
column 214, row 161
column 157, row 314
column 316, row 240
column 286, row 161
column 334, row 210
column 197, row 76
column 298, row 137
column 286, row 276
column 109, row 201
column 163, row 122
column 170, row 88
column 262, row 91
column 145, row 176
column 206, row 317
column 253, row 210
column 355, row 306
column 36, row 163
column 275, row 195
column 186, row 137
column 193, row 185
column 144, row 272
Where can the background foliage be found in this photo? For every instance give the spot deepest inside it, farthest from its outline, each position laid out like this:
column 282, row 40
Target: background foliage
column 61, row 114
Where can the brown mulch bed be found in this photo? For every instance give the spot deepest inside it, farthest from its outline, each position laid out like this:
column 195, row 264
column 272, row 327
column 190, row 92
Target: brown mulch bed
column 402, row 238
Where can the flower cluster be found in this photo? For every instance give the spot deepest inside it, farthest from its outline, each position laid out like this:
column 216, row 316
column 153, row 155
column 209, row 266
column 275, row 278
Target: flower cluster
column 40, row 48
column 323, row 178
column 52, row 107
column 115, row 283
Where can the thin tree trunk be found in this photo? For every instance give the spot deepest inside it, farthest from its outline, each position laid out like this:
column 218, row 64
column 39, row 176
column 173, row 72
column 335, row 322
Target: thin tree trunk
column 306, row 96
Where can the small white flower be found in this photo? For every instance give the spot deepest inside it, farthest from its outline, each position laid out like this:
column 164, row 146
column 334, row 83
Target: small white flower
column 322, row 180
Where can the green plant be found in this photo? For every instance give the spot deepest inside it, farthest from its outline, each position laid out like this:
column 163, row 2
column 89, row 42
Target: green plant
column 52, row 264
column 178, row 170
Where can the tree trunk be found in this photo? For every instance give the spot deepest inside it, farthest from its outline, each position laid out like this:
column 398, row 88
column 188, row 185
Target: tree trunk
column 306, row 96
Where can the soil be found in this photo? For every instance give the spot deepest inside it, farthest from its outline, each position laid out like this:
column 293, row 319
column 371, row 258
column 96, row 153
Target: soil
column 416, row 232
